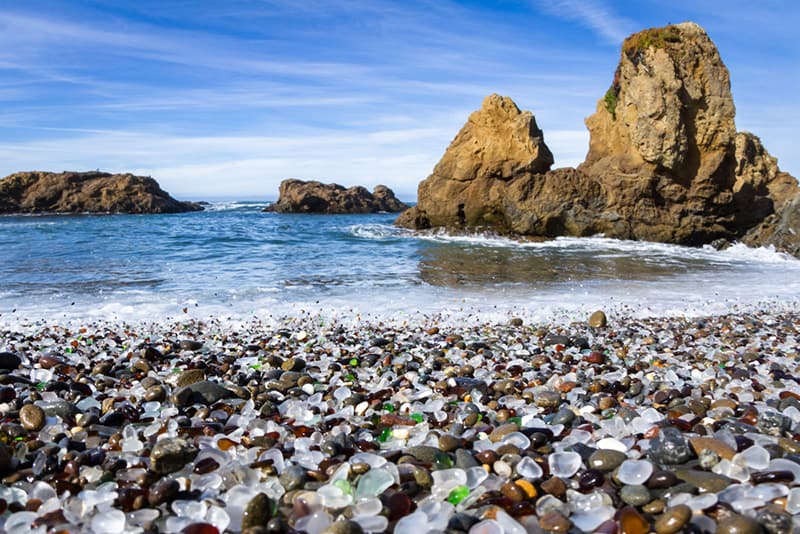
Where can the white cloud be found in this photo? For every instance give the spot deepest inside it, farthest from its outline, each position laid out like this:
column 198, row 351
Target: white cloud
column 593, row 14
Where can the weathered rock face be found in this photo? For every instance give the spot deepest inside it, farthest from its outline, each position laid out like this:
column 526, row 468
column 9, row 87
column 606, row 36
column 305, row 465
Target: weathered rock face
column 669, row 109
column 781, row 229
column 86, row 192
column 297, row 196
column 467, row 186
column 665, row 162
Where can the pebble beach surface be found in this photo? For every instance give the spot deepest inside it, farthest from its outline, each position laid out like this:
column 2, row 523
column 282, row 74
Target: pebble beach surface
column 311, row 425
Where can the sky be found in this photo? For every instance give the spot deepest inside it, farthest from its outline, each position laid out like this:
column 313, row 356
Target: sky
column 224, row 99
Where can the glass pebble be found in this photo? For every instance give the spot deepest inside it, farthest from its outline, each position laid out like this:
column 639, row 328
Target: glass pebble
column 529, row 469
column 564, row 464
column 109, row 522
column 633, row 472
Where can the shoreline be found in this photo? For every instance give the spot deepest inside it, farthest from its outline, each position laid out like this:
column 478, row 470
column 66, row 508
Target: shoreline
column 411, row 423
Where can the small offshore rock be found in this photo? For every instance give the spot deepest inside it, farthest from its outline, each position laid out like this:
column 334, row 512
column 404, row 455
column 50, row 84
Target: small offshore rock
column 31, row 417
column 171, row 454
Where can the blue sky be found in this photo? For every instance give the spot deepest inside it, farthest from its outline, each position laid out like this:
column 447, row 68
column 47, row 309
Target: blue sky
column 224, row 99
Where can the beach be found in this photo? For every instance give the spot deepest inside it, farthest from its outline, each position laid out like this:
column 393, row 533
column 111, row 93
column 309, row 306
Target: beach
column 318, row 423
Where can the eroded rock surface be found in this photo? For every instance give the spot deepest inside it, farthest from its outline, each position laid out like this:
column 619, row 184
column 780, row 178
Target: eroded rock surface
column 665, row 162
column 298, row 196
column 86, row 192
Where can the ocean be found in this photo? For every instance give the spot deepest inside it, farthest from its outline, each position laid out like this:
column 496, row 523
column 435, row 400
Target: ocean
column 235, row 261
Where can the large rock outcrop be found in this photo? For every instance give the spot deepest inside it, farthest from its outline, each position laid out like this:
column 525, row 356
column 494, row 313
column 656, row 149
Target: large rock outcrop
column 665, row 162
column 86, row 192
column 468, row 185
column 298, row 196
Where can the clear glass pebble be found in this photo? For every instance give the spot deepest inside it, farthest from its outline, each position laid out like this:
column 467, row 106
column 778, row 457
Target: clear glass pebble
column 591, row 519
column 109, row 522
column 769, row 491
column 372, row 523
column 701, row 502
column 745, row 504
column 367, row 507
column 416, row 523
column 755, row 457
column 564, row 464
column 508, row 523
column 793, row 502
column 19, row 522
column 611, row 443
column 314, row 523
column 782, row 464
column 373, row 483
column 144, row 517
column 529, row 469
column 633, row 472
column 517, row 439
column 502, row 468
column 475, row 476
column 487, row 526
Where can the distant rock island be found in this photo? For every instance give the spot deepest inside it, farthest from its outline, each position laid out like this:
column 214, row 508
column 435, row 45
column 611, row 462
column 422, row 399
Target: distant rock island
column 665, row 161
column 86, row 192
column 298, row 196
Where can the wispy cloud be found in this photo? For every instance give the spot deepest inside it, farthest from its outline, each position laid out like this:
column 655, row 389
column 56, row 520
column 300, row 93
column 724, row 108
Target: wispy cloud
column 592, row 14
column 351, row 91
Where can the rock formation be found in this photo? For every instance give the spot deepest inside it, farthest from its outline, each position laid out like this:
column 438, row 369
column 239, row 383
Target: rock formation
column 665, row 162
column 298, row 196
column 86, row 192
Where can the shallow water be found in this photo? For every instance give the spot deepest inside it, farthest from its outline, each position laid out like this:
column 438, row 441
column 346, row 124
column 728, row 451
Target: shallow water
column 237, row 261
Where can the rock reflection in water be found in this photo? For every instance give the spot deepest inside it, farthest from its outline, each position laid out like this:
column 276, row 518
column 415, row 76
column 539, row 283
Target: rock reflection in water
column 453, row 265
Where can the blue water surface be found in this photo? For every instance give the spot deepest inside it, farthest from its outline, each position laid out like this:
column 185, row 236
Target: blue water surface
column 235, row 258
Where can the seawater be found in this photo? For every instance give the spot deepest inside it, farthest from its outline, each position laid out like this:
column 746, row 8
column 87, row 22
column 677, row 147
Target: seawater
column 235, row 261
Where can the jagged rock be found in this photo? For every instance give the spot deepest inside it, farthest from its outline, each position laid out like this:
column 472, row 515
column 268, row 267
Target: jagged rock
column 467, row 186
column 298, row 196
column 665, row 162
column 780, row 230
column 86, row 192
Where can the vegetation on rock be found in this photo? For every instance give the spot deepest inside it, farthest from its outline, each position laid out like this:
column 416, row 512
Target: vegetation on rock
column 650, row 38
column 611, row 99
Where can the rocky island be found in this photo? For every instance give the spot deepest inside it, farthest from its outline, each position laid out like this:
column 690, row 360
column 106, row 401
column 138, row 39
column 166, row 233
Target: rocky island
column 86, row 192
column 665, row 161
column 298, row 196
